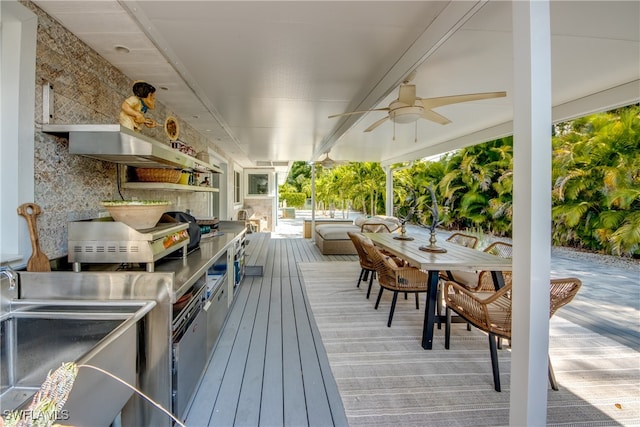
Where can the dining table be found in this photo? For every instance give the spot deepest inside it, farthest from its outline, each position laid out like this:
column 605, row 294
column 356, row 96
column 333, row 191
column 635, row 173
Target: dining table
column 451, row 257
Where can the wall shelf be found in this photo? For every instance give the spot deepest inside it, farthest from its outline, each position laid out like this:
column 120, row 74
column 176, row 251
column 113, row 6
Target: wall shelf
column 117, row 144
column 167, row 186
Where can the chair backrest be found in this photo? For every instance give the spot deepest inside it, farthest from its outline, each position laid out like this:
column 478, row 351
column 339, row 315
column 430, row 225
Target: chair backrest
column 243, row 215
column 464, row 240
column 490, row 312
column 500, row 249
column 493, row 313
column 485, row 281
column 562, row 292
column 358, row 239
column 393, row 276
column 375, row 227
column 383, row 264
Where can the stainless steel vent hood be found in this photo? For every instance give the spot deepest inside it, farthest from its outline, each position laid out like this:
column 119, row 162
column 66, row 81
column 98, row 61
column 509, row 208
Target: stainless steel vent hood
column 117, row 144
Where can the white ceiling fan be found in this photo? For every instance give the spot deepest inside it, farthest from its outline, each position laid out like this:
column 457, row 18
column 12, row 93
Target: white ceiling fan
column 408, row 107
column 329, row 163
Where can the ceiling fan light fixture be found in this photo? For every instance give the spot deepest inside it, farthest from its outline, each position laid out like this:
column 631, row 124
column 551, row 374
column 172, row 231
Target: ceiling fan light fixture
column 327, row 162
column 406, row 114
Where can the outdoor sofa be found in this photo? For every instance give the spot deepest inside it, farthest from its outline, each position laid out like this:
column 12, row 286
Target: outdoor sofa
column 332, row 239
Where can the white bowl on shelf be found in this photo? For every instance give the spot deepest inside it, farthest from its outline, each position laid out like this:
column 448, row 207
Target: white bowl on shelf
column 138, row 214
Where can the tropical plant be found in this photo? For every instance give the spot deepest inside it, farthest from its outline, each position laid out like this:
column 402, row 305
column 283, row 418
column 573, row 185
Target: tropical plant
column 596, row 182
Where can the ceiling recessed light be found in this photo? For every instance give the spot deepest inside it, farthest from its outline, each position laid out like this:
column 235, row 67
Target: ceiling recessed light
column 122, row 49
column 196, row 117
column 164, row 88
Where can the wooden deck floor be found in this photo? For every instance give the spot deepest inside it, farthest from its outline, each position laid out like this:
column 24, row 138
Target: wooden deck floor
column 269, row 366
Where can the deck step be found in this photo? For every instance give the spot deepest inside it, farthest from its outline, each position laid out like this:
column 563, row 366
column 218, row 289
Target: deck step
column 256, row 253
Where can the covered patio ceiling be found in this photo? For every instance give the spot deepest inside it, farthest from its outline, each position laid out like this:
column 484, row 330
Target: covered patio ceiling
column 261, row 78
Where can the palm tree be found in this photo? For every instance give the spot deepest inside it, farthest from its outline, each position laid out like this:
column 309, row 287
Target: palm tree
column 596, row 182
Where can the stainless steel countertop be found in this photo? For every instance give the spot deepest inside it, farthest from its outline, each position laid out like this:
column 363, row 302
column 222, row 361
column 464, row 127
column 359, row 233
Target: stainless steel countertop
column 198, row 262
column 184, row 272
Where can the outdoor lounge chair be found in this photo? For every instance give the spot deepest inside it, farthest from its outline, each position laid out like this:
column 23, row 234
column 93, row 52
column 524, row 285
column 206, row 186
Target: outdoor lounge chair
column 492, row 314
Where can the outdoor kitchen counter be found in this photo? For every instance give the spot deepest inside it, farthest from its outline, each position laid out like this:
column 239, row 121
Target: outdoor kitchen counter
column 170, row 280
column 188, row 271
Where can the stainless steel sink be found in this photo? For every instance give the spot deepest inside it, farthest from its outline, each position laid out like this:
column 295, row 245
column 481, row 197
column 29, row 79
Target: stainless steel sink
column 37, row 336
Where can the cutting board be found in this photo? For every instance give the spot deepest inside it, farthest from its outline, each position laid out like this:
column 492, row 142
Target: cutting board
column 38, row 261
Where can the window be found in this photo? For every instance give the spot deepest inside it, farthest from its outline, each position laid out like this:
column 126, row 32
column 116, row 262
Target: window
column 236, row 187
column 258, row 183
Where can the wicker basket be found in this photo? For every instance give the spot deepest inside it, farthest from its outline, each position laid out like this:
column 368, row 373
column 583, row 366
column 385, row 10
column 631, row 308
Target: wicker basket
column 158, row 175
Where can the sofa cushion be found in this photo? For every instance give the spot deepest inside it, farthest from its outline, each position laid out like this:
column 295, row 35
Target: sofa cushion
column 336, row 231
column 466, row 278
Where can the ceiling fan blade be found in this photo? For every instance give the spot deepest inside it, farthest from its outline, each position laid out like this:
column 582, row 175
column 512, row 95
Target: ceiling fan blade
column 435, row 117
column 376, row 124
column 407, row 94
column 358, row 112
column 429, row 103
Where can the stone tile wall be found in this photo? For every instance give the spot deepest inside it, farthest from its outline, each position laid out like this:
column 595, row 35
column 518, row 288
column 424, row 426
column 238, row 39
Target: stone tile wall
column 87, row 89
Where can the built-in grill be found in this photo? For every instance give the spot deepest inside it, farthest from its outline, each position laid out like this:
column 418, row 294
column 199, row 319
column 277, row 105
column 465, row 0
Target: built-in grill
column 107, row 241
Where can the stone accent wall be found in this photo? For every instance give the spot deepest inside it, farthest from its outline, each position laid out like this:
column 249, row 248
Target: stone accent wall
column 87, row 89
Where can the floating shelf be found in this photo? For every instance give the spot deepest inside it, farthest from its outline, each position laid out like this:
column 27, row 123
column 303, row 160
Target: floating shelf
column 117, row 144
column 167, row 186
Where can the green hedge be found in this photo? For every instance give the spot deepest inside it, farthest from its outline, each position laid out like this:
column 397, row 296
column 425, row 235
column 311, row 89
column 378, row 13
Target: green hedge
column 294, row 200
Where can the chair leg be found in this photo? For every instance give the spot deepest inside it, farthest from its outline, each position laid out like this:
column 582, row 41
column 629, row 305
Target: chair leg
column 393, row 308
column 406, row 295
column 373, row 274
column 379, row 296
column 417, row 300
column 494, row 361
column 447, row 329
column 439, row 304
column 362, row 274
column 552, row 377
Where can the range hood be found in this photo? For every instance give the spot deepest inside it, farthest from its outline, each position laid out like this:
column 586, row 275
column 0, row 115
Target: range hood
column 117, row 144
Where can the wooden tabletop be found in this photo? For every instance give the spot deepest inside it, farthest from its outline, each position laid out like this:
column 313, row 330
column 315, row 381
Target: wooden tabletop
column 457, row 256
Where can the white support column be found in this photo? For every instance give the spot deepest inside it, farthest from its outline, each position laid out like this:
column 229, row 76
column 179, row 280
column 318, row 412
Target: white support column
column 388, row 172
column 532, row 212
column 313, row 202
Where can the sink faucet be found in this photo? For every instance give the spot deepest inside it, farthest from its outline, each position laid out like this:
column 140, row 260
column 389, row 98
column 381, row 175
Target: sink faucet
column 11, row 275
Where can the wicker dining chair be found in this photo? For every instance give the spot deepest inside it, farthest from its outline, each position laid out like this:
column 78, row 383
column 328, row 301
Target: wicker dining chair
column 483, row 281
column 368, row 269
column 395, row 278
column 492, row 314
column 464, row 240
column 562, row 292
column 459, row 239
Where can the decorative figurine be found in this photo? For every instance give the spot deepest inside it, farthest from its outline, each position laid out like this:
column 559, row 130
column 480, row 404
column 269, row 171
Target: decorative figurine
column 435, row 222
column 134, row 107
column 411, row 211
